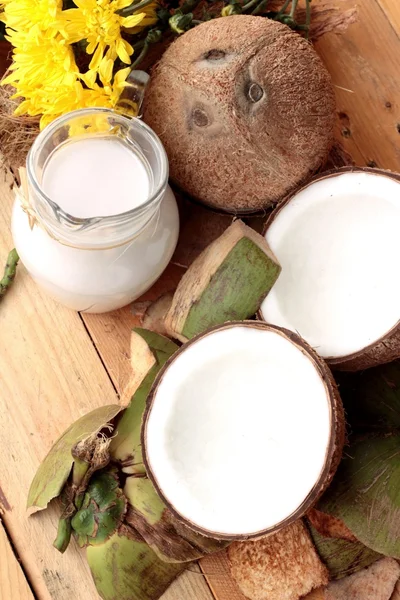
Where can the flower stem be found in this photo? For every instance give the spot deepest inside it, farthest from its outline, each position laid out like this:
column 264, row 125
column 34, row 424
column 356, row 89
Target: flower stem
column 260, row 7
column 282, row 10
column 134, row 7
column 294, row 6
column 141, row 55
column 250, row 4
column 308, row 17
column 9, row 272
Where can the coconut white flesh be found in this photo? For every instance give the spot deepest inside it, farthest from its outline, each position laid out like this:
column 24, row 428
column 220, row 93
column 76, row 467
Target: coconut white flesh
column 238, row 432
column 339, row 246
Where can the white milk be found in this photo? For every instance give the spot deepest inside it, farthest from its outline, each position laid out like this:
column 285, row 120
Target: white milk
column 96, row 176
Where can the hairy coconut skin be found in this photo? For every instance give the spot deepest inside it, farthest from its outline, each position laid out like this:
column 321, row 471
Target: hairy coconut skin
column 387, row 348
column 334, row 450
column 245, row 110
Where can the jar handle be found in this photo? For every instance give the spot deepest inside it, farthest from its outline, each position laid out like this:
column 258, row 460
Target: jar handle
column 131, row 99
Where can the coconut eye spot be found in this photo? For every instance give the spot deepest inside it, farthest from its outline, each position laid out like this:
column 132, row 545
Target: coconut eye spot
column 200, row 117
column 255, row 92
column 214, row 55
column 214, row 59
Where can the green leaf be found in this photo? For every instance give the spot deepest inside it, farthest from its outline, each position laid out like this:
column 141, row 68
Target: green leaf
column 54, row 471
column 127, row 569
column 342, row 557
column 126, row 445
column 365, row 493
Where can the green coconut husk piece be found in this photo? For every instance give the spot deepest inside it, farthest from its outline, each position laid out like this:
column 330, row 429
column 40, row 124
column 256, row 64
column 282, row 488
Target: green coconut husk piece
column 54, row 471
column 342, row 557
column 102, row 511
column 365, row 493
column 227, row 282
column 125, row 447
column 372, row 397
column 125, row 568
column 171, row 541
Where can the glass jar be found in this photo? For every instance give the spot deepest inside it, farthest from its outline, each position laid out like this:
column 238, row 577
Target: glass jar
column 100, row 263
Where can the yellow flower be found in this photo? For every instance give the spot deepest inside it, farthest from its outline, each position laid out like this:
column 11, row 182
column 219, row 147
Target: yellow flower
column 53, row 101
column 44, row 72
column 33, row 16
column 40, row 60
column 98, row 22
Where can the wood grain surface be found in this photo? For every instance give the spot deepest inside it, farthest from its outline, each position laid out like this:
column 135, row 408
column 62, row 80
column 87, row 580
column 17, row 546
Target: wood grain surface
column 13, row 584
column 56, row 365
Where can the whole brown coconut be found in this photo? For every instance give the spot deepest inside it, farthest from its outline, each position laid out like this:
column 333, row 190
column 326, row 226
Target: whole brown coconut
column 245, row 109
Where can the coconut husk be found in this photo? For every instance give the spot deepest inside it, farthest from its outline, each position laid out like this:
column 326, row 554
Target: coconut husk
column 283, row 566
column 154, row 316
column 227, row 282
column 377, row 582
column 364, row 493
column 318, row 594
column 342, row 557
column 396, row 593
column 228, row 149
column 149, row 352
column 328, row 19
column 329, row 526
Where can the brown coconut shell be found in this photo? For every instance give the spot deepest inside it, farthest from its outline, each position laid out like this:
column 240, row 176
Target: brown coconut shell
column 245, row 110
column 334, row 450
column 387, row 348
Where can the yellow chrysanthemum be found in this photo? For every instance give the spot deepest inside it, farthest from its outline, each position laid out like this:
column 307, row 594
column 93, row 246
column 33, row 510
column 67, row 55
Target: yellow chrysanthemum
column 33, row 16
column 44, row 72
column 53, row 101
column 98, row 22
column 39, row 60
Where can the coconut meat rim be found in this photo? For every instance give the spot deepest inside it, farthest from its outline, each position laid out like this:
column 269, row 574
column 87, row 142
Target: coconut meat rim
column 338, row 243
column 238, row 432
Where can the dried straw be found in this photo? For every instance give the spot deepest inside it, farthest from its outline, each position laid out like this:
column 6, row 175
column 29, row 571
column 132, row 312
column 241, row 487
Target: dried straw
column 17, row 133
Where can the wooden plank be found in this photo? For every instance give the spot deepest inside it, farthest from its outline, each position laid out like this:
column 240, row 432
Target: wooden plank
column 363, row 63
column 50, row 375
column 392, row 12
column 111, row 332
column 13, row 584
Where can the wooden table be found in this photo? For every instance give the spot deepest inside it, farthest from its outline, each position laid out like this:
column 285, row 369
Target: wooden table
column 56, row 365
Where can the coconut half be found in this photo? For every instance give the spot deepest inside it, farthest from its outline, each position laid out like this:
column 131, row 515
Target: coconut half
column 243, row 430
column 338, row 243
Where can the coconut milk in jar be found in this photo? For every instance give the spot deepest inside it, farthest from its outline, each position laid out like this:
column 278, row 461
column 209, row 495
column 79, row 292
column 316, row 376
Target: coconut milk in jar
column 95, row 222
